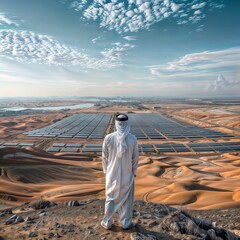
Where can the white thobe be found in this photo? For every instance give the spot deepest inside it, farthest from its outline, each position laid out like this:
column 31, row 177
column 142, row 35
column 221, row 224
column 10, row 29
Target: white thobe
column 119, row 178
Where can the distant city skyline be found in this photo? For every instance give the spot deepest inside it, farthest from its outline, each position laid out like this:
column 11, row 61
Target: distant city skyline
column 160, row 48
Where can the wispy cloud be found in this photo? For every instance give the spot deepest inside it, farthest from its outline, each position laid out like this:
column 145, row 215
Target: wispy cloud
column 130, row 38
column 26, row 46
column 94, row 40
column 198, row 63
column 5, row 20
column 134, row 15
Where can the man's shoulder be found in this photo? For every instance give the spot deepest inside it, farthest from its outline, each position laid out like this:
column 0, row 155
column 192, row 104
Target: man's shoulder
column 132, row 136
column 108, row 136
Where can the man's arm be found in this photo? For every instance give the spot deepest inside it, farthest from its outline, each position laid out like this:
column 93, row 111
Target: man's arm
column 135, row 158
column 104, row 155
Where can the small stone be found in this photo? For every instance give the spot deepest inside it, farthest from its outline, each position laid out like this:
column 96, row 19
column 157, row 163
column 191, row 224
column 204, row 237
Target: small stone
column 50, row 235
column 153, row 224
column 147, row 216
column 42, row 214
column 23, row 228
column 7, row 211
column 58, row 225
column 56, row 235
column 29, row 220
column 19, row 219
column 11, row 219
column 214, row 224
column 32, row 234
column 41, row 204
column 72, row 203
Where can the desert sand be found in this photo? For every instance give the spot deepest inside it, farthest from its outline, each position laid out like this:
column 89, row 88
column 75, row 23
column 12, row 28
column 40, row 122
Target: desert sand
column 209, row 182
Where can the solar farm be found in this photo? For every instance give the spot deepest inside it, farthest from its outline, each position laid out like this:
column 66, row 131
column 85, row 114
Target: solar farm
column 143, row 126
column 156, row 133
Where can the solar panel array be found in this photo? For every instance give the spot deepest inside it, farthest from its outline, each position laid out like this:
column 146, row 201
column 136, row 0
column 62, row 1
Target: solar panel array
column 80, row 126
column 73, row 148
column 16, row 144
column 156, row 126
column 143, row 126
column 219, row 147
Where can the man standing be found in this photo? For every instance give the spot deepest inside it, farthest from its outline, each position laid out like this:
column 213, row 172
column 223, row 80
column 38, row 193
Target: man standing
column 120, row 161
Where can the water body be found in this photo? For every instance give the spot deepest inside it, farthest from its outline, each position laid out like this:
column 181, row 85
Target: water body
column 55, row 108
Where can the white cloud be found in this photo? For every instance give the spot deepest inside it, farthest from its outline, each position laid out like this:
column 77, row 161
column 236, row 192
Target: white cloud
column 26, row 46
column 4, row 20
column 94, row 40
column 134, row 15
column 78, row 5
column 115, row 53
column 201, row 63
column 222, row 84
column 199, row 5
column 130, row 38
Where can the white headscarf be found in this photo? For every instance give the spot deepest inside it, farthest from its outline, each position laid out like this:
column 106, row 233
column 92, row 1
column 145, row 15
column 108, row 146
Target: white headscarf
column 123, row 128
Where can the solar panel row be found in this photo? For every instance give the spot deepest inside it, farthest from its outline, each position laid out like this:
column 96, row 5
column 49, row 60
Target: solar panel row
column 156, row 126
column 154, row 148
column 15, row 144
column 76, row 126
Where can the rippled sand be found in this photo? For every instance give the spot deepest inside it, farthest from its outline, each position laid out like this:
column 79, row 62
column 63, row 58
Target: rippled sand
column 210, row 182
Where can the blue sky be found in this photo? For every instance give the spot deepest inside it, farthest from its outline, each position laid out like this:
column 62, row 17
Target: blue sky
column 165, row 48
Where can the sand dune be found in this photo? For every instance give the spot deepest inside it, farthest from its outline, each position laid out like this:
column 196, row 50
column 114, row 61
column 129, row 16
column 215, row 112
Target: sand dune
column 22, row 123
column 207, row 182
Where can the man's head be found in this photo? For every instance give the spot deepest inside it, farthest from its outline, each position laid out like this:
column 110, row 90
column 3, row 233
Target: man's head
column 121, row 117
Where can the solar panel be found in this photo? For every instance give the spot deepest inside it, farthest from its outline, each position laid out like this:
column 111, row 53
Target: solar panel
column 77, row 145
column 147, row 145
column 231, row 143
column 92, row 145
column 148, row 150
column 59, row 144
column 177, row 145
column 54, row 149
column 214, row 144
column 202, row 149
column 161, row 150
column 235, row 148
column 222, row 149
column 69, row 149
column 92, row 150
column 26, row 144
column 10, row 144
column 181, row 149
column 197, row 145
column 165, row 145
